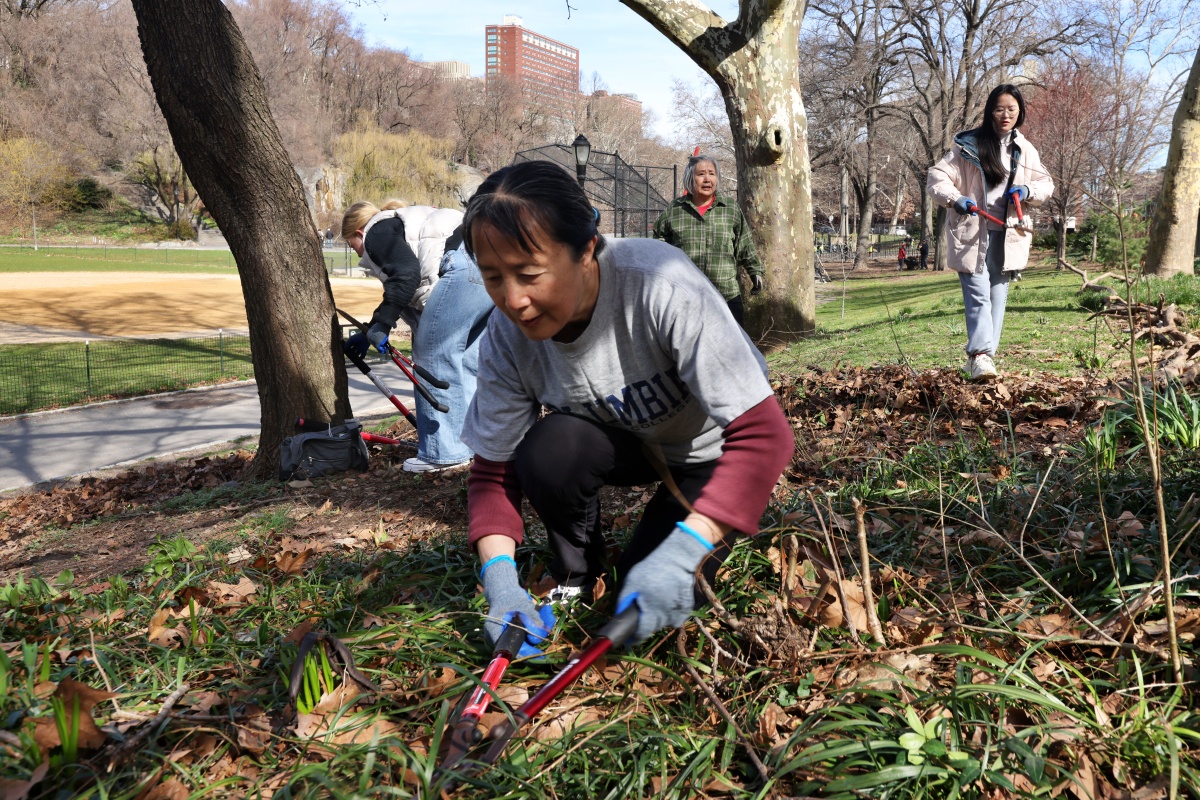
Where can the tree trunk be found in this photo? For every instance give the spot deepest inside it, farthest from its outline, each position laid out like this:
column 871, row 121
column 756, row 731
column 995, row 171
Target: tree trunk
column 844, row 227
column 215, row 104
column 1060, row 228
column 901, row 184
column 1172, row 246
column 926, row 217
column 866, row 218
column 941, row 261
column 755, row 63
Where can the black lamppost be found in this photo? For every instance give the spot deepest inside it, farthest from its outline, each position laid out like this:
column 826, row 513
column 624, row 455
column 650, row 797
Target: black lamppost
column 583, row 150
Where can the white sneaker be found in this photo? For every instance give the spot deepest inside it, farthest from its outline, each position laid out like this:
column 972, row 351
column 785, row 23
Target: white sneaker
column 982, row 368
column 416, row 464
column 562, row 595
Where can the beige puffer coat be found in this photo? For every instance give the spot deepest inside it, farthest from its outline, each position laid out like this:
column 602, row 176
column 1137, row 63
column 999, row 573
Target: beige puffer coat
column 959, row 174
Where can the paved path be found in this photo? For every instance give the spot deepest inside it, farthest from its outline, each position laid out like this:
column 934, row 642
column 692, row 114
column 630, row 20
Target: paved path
column 76, row 441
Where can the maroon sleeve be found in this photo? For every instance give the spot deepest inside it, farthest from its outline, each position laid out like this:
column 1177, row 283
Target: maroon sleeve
column 758, row 446
column 494, row 500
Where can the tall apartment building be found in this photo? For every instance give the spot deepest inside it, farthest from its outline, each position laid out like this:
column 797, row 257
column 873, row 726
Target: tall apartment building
column 546, row 69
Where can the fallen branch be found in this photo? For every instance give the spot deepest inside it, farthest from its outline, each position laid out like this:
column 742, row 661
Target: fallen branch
column 716, row 701
column 1094, row 284
column 860, row 512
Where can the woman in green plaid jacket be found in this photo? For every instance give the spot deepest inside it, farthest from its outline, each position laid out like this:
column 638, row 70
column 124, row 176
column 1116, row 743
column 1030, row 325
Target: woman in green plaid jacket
column 713, row 232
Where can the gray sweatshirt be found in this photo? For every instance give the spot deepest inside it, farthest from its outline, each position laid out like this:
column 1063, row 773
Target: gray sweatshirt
column 662, row 357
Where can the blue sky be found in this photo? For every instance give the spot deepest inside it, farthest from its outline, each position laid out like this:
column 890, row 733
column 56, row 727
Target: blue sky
column 629, row 54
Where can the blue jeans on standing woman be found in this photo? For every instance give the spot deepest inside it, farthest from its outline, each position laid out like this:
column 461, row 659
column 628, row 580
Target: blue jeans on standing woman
column 985, row 295
column 447, row 344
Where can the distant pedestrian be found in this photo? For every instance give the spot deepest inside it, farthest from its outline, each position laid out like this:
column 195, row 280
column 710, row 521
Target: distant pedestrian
column 988, row 168
column 713, row 232
column 923, row 253
column 900, row 254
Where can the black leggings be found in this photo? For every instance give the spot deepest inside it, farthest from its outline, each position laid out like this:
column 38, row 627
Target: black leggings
column 564, row 460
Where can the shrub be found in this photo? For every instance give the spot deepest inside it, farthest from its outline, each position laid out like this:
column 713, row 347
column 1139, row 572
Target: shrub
column 84, row 194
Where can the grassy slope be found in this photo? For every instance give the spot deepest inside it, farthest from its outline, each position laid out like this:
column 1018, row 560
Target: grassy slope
column 918, row 318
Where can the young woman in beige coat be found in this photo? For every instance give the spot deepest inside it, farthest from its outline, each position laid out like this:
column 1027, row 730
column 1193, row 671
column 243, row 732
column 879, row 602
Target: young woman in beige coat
column 995, row 169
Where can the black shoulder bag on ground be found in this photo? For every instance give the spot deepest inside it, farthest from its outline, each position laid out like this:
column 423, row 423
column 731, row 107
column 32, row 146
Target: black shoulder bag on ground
column 336, row 448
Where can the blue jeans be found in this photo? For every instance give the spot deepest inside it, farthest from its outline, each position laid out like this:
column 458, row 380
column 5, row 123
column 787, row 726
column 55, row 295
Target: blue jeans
column 447, row 344
column 985, row 294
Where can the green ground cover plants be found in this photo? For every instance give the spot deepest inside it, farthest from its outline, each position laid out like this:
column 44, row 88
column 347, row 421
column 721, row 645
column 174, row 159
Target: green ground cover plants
column 1013, row 546
column 1023, row 653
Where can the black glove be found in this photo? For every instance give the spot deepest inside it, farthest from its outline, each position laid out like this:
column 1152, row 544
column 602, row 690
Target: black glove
column 756, row 284
column 377, row 335
column 357, row 344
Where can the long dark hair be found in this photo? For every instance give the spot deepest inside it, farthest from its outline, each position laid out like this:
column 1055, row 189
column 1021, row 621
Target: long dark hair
column 986, row 138
column 524, row 198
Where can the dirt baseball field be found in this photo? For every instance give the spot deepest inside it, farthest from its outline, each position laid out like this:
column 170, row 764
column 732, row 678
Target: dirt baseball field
column 50, row 306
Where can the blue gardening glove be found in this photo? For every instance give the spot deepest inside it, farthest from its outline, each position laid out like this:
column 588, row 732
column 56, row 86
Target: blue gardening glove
column 965, row 205
column 357, row 344
column 756, row 284
column 1019, row 192
column 377, row 334
column 663, row 583
column 510, row 604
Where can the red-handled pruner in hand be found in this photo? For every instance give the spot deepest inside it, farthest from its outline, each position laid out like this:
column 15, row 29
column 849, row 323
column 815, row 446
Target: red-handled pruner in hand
column 978, row 210
column 1016, row 199
column 407, row 366
column 464, row 730
column 618, row 631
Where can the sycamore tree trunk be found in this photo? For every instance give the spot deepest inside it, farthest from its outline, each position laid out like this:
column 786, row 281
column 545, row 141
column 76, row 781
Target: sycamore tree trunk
column 1172, row 246
column 215, row 104
column 755, row 63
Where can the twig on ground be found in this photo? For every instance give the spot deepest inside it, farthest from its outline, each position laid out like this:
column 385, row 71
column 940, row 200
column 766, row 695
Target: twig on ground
column 721, row 651
column 837, row 573
column 1146, row 649
column 860, row 512
column 716, row 701
column 146, row 734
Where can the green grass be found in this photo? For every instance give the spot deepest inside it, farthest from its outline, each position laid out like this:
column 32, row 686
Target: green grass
column 918, row 319
column 115, row 259
column 37, row 376
column 93, row 258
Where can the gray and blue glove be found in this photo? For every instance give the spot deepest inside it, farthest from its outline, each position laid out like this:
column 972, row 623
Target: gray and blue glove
column 663, row 584
column 510, row 604
column 1019, row 192
column 357, row 344
column 965, row 205
column 377, row 335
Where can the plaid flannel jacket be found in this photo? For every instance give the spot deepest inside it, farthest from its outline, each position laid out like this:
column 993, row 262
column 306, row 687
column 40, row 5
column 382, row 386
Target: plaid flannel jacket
column 718, row 243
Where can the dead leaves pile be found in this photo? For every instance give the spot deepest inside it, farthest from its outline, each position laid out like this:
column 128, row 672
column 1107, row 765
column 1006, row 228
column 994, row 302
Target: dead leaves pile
column 90, row 498
column 882, row 411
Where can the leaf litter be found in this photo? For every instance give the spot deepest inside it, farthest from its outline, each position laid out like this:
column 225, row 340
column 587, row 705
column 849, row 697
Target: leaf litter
column 794, row 628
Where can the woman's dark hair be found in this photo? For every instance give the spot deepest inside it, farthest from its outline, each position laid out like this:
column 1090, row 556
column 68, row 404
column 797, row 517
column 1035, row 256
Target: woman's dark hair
column 986, row 138
column 529, row 197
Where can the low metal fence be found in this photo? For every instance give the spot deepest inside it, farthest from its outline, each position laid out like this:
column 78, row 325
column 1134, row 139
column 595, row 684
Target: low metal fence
column 52, row 375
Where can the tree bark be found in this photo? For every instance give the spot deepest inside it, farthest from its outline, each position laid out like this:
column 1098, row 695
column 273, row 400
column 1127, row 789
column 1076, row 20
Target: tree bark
column 1172, row 246
column 215, row 104
column 755, row 63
